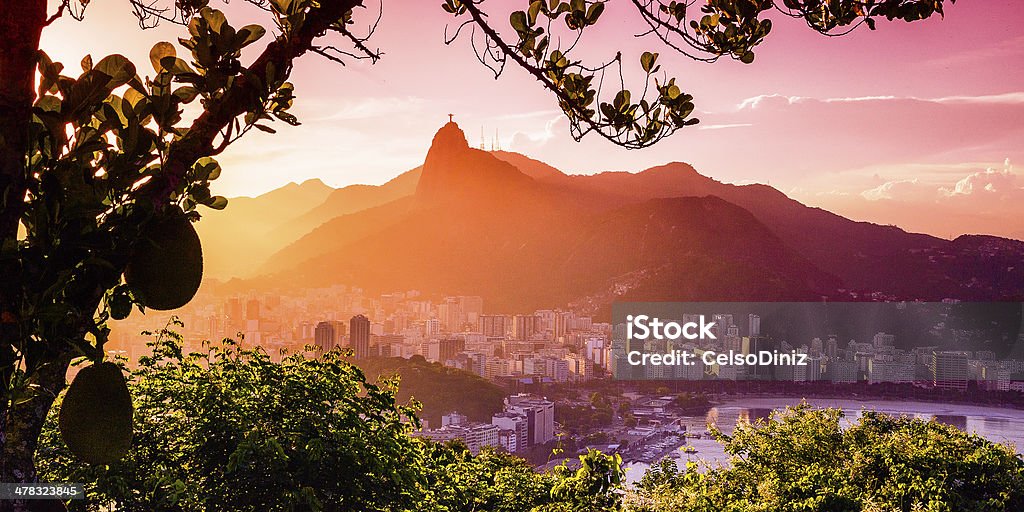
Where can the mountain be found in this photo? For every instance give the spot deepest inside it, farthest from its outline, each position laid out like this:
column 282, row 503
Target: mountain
column 240, row 238
column 346, row 200
column 524, row 235
column 535, row 169
column 479, row 225
column 236, row 239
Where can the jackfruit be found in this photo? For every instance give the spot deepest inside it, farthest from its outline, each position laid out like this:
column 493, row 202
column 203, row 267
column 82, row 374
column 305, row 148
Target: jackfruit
column 166, row 267
column 95, row 418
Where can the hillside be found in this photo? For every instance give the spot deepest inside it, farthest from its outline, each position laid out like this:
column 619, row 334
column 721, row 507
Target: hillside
column 237, row 239
column 524, row 235
column 440, row 389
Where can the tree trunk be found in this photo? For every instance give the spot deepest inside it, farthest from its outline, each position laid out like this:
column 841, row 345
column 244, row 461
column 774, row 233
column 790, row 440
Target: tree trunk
column 21, row 23
column 23, row 427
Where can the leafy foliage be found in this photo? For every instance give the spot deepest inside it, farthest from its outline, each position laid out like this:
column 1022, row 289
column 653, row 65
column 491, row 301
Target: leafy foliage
column 91, row 161
column 439, row 389
column 229, row 429
column 714, row 29
column 802, row 459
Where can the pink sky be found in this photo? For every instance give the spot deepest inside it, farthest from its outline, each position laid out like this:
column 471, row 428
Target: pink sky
column 881, row 125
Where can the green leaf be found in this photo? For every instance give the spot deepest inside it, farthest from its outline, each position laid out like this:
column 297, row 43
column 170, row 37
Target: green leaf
column 186, row 93
column 647, row 61
column 594, row 13
column 249, row 34
column 518, row 21
column 217, row 202
column 176, row 66
column 160, row 51
column 118, row 68
column 215, row 19
column 534, row 11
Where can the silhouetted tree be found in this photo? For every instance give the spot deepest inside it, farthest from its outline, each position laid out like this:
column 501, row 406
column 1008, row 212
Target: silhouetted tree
column 102, row 169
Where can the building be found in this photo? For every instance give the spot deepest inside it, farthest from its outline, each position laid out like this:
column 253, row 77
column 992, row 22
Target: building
column 515, row 423
column 449, row 347
column 883, row 340
column 449, row 313
column 539, row 414
column 252, row 309
column 236, row 321
column 471, row 306
column 493, row 326
column 524, row 326
column 507, row 440
column 580, row 368
column 842, row 372
column 359, row 336
column 881, row 370
column 328, row 334
column 754, row 327
column 454, row 418
column 950, row 370
column 475, row 435
column 432, row 327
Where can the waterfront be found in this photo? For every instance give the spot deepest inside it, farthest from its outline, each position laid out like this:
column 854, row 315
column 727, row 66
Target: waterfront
column 1000, row 425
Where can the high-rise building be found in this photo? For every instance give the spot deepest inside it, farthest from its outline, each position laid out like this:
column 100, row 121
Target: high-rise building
column 883, row 340
column 252, row 309
column 524, row 326
column 432, row 327
column 754, row 325
column 472, row 307
column 950, row 370
column 236, row 321
column 326, row 336
column 359, row 336
column 448, row 347
column 493, row 326
column 832, row 347
column 562, row 320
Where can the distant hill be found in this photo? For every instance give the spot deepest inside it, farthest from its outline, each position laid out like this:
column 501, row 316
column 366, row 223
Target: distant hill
column 236, row 240
column 346, row 200
column 525, row 235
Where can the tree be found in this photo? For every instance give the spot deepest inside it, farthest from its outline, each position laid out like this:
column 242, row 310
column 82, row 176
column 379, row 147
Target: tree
column 804, row 459
column 226, row 428
column 95, row 167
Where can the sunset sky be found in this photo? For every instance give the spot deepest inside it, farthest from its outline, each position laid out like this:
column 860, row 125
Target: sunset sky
column 914, row 124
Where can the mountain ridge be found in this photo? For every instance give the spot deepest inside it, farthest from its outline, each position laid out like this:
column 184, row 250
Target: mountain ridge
column 523, row 234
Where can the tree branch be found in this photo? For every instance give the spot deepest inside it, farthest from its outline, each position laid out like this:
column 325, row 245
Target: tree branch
column 198, row 141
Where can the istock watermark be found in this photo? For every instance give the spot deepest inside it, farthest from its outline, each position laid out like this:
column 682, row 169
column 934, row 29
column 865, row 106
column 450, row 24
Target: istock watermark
column 942, row 344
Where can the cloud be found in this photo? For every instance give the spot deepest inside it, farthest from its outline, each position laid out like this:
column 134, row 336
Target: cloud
column 901, row 190
column 998, row 183
column 1010, row 98
column 768, row 101
column 779, row 100
column 984, row 187
column 723, row 126
column 556, row 128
